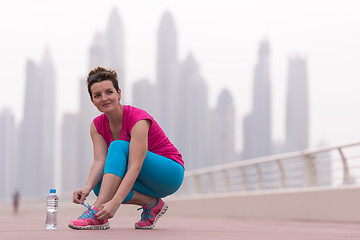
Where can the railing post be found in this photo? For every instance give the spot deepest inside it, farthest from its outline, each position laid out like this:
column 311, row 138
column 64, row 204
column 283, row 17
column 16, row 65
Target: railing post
column 212, row 182
column 346, row 174
column 184, row 188
column 260, row 176
column 227, row 180
column 310, row 172
column 197, row 184
column 244, row 179
column 282, row 173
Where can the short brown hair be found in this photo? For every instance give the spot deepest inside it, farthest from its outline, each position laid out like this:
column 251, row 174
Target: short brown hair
column 100, row 74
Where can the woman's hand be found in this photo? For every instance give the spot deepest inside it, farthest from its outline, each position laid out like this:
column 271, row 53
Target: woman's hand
column 108, row 210
column 80, row 195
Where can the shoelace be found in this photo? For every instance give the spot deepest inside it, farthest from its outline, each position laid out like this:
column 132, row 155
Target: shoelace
column 90, row 213
column 145, row 215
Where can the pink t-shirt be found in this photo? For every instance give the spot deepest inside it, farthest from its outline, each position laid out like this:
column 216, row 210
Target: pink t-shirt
column 158, row 142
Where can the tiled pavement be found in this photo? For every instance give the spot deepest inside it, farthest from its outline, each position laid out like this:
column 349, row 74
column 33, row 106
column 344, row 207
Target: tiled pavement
column 29, row 224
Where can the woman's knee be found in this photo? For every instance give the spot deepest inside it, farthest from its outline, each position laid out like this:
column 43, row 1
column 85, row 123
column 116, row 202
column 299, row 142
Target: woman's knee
column 117, row 158
column 118, row 150
column 119, row 145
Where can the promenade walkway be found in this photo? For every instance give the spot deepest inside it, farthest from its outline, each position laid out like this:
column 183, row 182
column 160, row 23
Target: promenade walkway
column 29, row 224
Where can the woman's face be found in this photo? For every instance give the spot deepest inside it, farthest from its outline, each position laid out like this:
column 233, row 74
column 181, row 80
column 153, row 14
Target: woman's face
column 104, row 96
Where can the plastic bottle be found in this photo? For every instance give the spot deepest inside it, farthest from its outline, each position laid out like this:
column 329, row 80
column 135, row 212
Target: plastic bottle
column 51, row 209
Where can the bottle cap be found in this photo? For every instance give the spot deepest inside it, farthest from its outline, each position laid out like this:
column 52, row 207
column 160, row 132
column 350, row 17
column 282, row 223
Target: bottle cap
column 52, row 190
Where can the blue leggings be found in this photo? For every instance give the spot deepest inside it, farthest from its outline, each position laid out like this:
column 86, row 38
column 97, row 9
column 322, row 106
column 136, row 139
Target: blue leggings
column 159, row 176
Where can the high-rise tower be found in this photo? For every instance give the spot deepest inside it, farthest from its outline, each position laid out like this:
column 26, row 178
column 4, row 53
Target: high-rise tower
column 37, row 133
column 226, row 137
column 297, row 106
column 257, row 125
column 115, row 53
column 74, row 169
column 167, row 73
column 7, row 153
column 144, row 96
column 191, row 119
column 297, row 116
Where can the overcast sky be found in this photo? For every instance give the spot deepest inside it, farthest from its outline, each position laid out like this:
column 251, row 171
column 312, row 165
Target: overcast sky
column 222, row 35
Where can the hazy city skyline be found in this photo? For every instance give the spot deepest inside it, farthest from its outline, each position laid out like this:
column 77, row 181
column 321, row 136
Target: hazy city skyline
column 325, row 33
column 208, row 130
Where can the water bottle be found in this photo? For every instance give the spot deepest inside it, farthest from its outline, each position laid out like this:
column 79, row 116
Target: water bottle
column 51, row 209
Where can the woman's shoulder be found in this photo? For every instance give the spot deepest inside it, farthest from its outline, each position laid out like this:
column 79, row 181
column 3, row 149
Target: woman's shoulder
column 100, row 122
column 100, row 118
column 134, row 111
column 132, row 115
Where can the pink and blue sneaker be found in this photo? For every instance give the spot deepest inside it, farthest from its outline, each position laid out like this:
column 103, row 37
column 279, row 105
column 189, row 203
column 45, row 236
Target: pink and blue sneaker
column 150, row 215
column 88, row 221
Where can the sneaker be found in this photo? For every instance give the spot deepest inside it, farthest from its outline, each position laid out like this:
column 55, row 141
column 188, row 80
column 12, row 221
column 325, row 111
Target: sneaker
column 149, row 216
column 88, row 221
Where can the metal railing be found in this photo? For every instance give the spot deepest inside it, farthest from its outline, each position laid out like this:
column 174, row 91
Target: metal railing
column 326, row 166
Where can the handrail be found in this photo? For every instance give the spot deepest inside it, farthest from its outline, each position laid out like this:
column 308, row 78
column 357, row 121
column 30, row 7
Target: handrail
column 345, row 167
column 282, row 167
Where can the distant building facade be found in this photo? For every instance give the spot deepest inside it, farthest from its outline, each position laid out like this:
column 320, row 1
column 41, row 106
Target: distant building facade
column 257, row 124
column 37, row 130
column 297, row 106
column 167, row 73
column 72, row 164
column 144, row 96
column 192, row 116
column 8, row 182
column 226, row 137
column 115, row 48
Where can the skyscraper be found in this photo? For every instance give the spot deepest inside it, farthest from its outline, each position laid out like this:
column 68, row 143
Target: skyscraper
column 7, row 153
column 37, row 133
column 73, row 170
column 257, row 125
column 47, row 72
column 297, row 115
column 144, row 96
column 297, row 106
column 167, row 73
column 226, row 137
column 191, row 116
column 97, row 51
column 115, row 53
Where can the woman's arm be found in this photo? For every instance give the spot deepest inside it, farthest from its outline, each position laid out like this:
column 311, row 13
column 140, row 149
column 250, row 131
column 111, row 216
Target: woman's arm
column 137, row 152
column 97, row 168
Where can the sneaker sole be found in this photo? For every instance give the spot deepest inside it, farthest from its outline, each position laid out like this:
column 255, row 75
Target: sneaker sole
column 90, row 227
column 162, row 212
